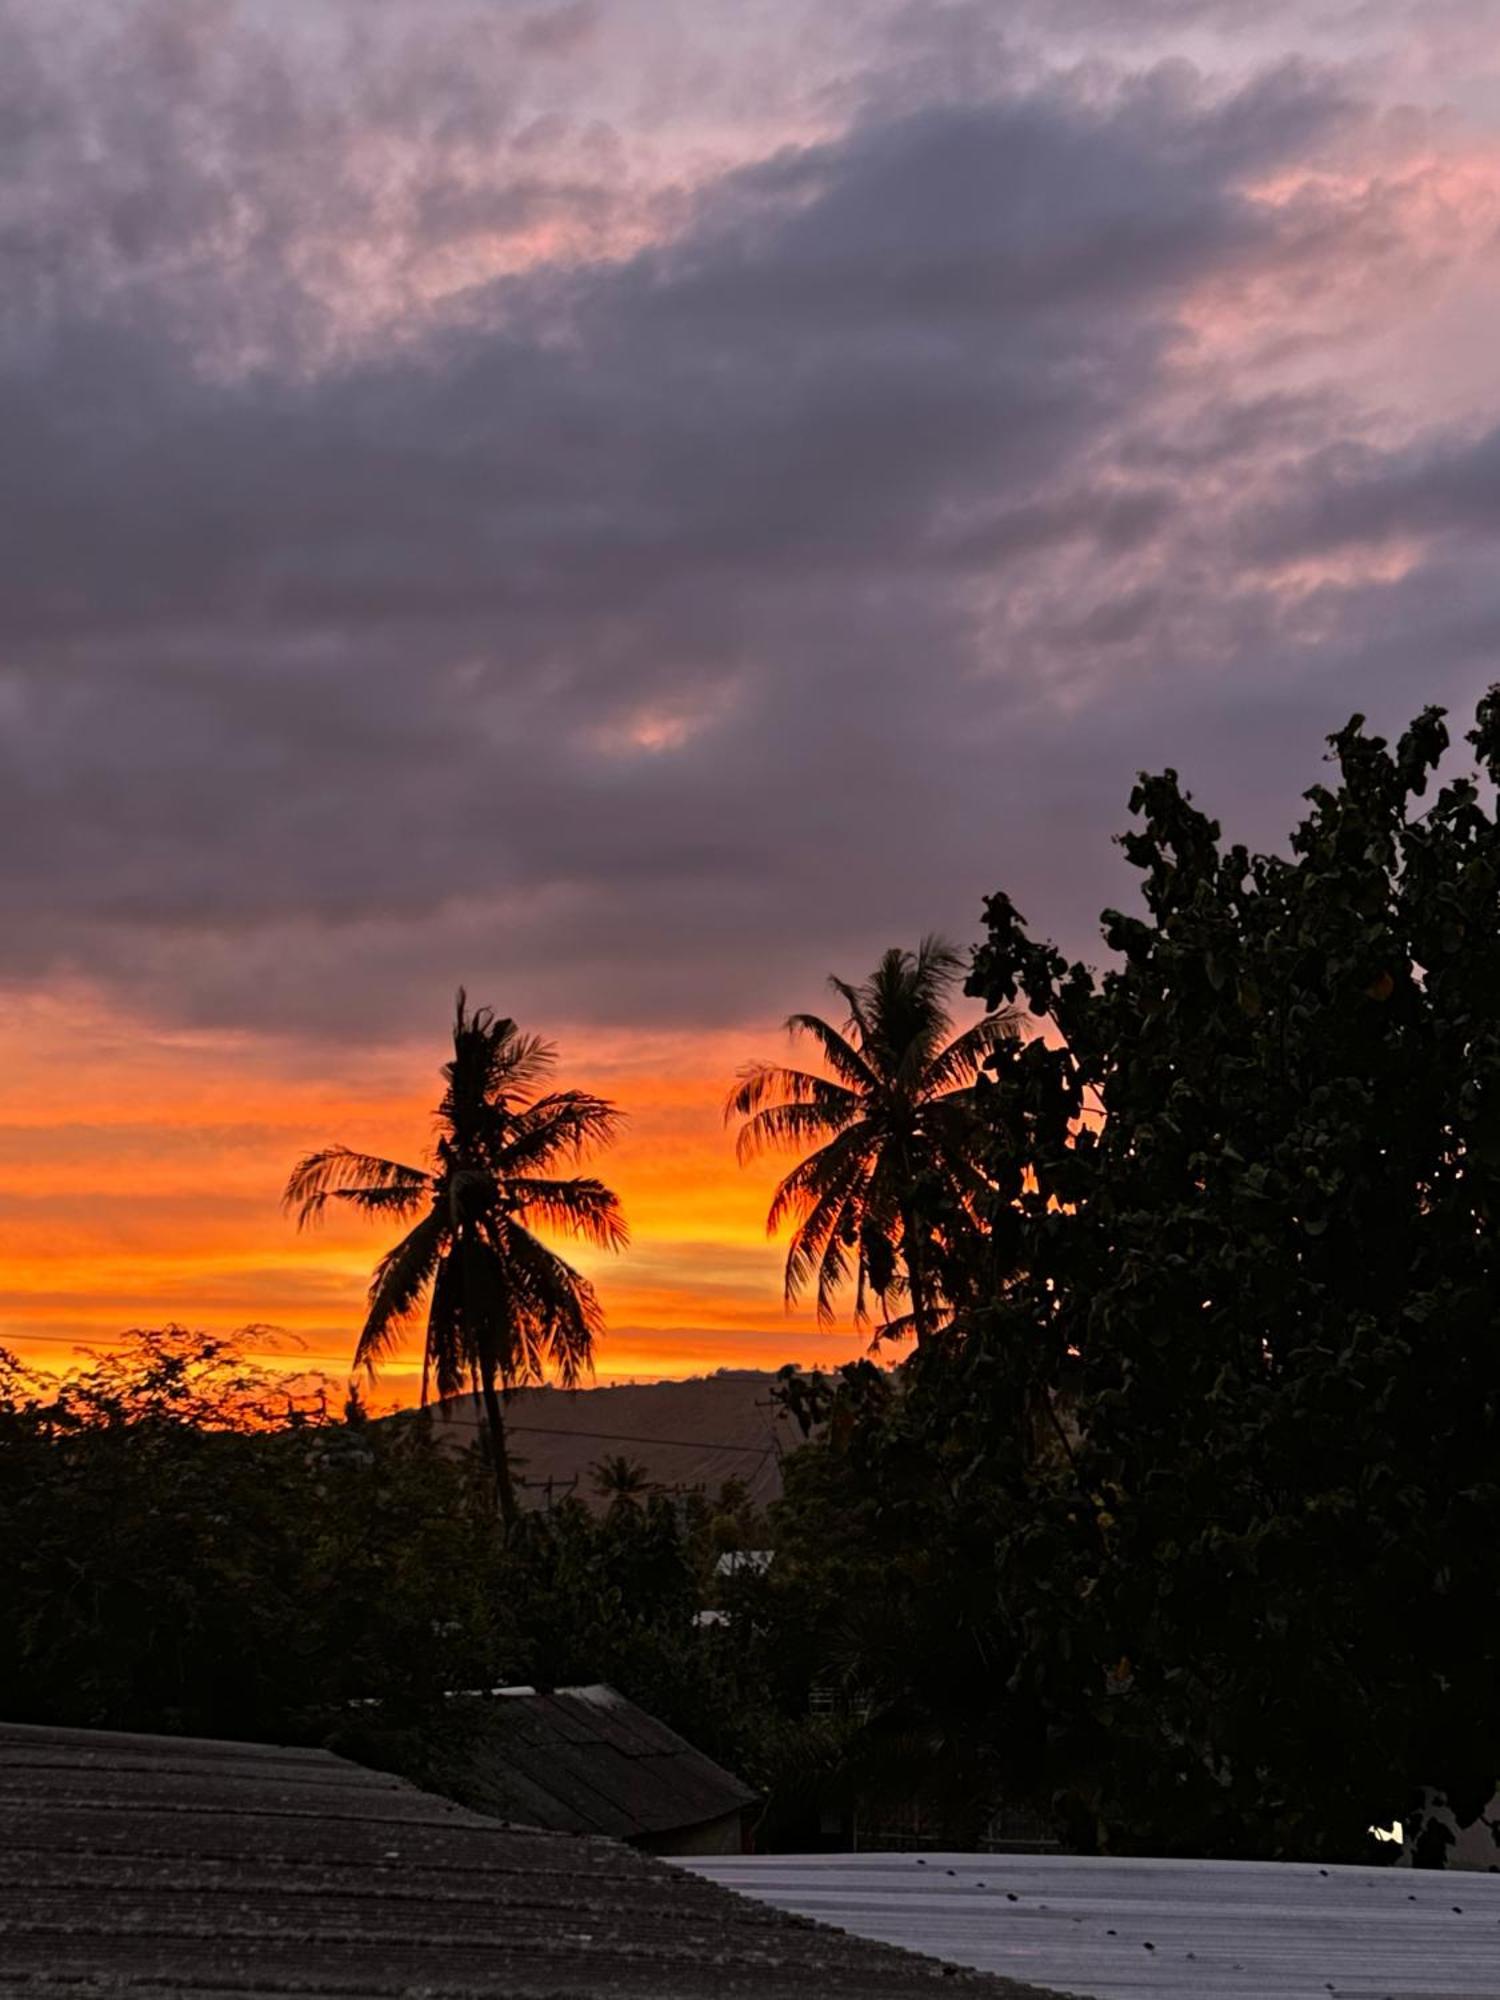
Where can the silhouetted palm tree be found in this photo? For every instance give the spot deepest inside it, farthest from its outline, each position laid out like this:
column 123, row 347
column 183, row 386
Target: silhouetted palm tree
column 501, row 1306
column 621, row 1480
column 898, row 1149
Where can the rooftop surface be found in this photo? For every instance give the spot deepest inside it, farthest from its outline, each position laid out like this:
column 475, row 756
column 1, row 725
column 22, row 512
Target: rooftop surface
column 586, row 1760
column 1157, row 1930
column 154, row 1866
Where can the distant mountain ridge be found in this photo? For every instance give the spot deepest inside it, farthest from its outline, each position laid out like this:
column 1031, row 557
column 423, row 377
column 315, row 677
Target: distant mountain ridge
column 700, row 1432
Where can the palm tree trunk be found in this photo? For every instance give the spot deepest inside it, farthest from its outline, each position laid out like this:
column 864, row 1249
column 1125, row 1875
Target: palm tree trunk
column 922, row 1315
column 505, row 1490
column 914, row 1252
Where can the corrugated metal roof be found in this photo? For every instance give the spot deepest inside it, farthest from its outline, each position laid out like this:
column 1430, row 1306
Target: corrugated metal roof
column 1157, row 1930
column 586, row 1760
column 739, row 1562
column 162, row 1868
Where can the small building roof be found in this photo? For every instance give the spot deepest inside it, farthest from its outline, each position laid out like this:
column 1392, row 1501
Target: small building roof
column 737, row 1562
column 159, row 1868
column 586, row 1760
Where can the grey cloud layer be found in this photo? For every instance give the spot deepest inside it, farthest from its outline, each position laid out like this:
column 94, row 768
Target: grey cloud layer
column 635, row 635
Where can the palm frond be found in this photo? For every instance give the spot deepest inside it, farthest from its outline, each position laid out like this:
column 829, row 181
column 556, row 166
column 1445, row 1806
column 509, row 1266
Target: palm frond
column 882, row 1230
column 829, row 1203
column 469, row 1101
column 560, row 1315
column 961, row 1061
column 854, row 998
column 339, row 1172
column 493, row 1063
column 562, row 1125
column 905, row 1000
column 445, row 1358
column 401, row 1278
column 842, row 1057
column 518, row 1061
column 758, row 1082
column 780, row 1126
column 937, row 964
column 384, row 1200
column 811, row 1179
column 833, row 1275
column 584, row 1207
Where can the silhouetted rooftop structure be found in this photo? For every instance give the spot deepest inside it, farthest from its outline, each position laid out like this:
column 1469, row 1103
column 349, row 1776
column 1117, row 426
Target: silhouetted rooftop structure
column 154, row 1866
column 586, row 1760
column 1132, row 1928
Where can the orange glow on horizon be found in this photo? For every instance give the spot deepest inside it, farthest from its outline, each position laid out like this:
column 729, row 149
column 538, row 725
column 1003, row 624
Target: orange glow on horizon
column 141, row 1173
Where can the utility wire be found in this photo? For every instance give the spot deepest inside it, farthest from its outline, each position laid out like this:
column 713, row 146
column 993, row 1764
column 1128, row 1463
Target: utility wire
column 528, row 1430
column 615, row 1437
column 630, row 1437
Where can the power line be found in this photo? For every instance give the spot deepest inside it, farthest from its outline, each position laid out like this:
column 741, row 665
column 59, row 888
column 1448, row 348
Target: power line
column 110, row 1343
column 512, row 1429
column 629, row 1437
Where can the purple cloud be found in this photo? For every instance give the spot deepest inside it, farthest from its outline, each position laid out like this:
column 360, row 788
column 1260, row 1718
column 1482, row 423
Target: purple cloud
column 438, row 540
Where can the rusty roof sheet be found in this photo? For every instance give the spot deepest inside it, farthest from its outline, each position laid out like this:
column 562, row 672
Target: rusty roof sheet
column 162, row 1866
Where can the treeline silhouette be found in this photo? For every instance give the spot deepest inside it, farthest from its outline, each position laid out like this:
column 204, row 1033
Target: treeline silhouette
column 1176, row 1523
column 191, row 1542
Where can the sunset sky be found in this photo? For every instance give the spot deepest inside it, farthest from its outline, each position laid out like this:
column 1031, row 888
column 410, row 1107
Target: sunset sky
column 633, row 506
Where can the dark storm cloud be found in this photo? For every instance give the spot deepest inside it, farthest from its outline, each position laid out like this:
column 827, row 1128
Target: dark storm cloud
column 1362, row 495
column 631, row 634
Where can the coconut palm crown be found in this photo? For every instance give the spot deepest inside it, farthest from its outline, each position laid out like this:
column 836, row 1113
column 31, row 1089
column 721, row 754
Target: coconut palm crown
column 502, row 1307
column 891, row 1120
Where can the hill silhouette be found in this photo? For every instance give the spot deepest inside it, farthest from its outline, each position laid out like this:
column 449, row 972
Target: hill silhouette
column 700, row 1432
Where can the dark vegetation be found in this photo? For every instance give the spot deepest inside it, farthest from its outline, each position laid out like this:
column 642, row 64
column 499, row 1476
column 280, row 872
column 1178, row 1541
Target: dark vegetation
column 1177, row 1525
column 188, row 1544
